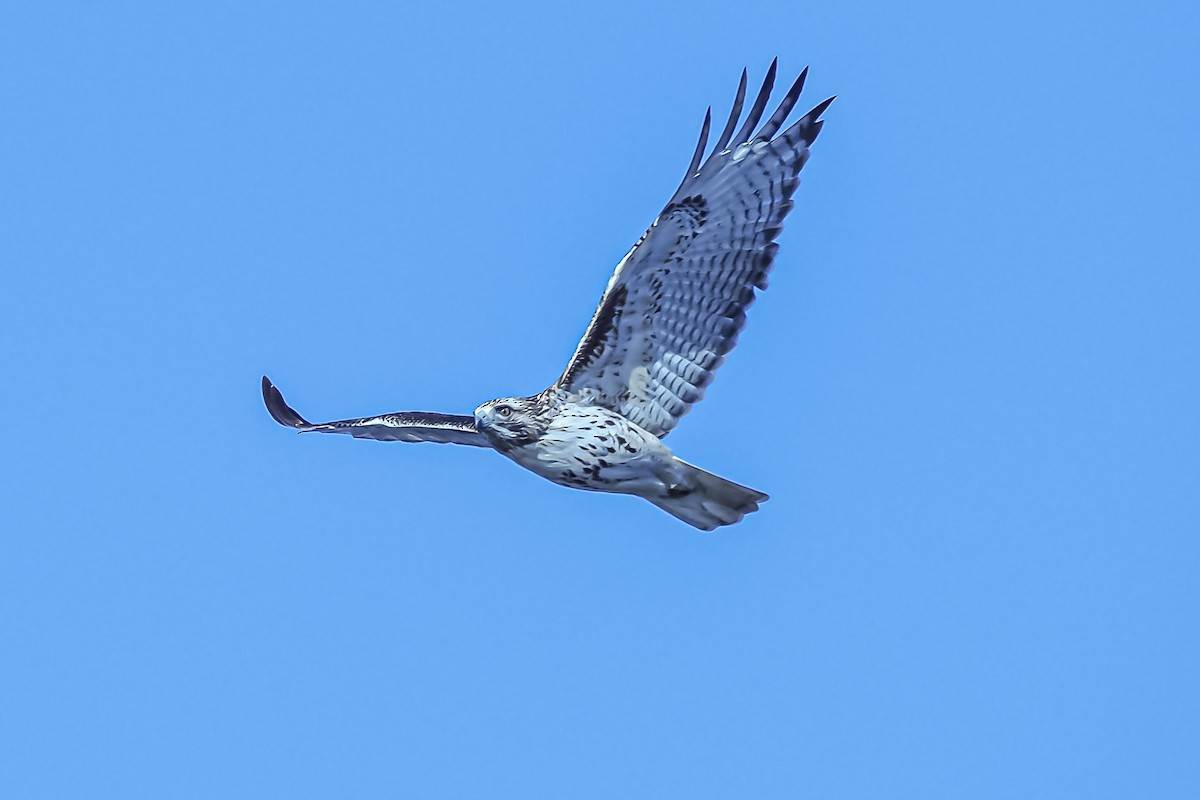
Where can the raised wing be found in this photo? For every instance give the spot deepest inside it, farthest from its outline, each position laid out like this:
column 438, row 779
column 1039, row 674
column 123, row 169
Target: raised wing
column 404, row 426
column 677, row 301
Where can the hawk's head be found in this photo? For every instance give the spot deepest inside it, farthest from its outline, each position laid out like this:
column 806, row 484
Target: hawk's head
column 510, row 421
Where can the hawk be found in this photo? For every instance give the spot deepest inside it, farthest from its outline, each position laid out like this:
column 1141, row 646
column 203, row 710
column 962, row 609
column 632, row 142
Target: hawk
column 670, row 314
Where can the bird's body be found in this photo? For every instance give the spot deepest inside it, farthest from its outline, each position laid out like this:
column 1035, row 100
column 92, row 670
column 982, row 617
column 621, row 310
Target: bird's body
column 670, row 314
column 581, row 446
column 586, row 446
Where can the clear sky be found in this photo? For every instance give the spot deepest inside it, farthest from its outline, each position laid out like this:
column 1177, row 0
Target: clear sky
column 972, row 392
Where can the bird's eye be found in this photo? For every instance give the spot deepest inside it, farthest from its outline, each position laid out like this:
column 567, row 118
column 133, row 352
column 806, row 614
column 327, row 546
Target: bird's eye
column 504, row 411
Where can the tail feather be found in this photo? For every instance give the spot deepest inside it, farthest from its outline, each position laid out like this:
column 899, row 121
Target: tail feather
column 708, row 501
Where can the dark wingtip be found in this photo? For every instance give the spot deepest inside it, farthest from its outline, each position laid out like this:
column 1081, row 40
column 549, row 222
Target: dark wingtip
column 820, row 107
column 760, row 104
column 734, row 114
column 777, row 119
column 700, row 145
column 279, row 410
column 811, row 124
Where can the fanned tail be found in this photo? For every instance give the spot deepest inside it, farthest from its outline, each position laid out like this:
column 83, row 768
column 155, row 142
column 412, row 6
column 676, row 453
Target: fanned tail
column 708, row 501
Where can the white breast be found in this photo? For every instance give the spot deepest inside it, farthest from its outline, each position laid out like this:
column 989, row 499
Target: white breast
column 590, row 447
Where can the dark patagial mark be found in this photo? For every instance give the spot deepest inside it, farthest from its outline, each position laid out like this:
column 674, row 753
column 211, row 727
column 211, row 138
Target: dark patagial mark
column 692, row 212
column 600, row 333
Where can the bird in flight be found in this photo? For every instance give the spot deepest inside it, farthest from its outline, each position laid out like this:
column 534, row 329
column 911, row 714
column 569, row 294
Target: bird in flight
column 669, row 315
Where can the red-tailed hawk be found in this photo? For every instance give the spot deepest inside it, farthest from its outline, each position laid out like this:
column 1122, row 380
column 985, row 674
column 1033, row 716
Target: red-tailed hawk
column 670, row 314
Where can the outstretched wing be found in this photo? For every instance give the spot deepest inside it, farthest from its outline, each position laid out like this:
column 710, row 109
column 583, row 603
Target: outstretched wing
column 677, row 301
column 404, row 426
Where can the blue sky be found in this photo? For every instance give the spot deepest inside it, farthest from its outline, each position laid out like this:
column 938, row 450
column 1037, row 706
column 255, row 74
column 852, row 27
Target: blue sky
column 971, row 392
